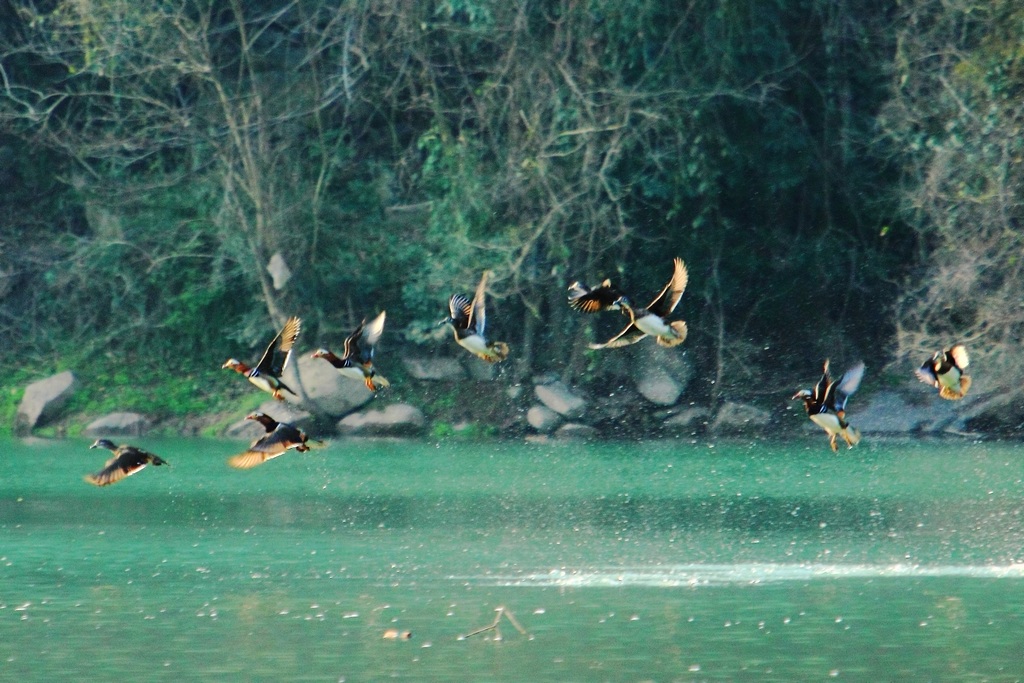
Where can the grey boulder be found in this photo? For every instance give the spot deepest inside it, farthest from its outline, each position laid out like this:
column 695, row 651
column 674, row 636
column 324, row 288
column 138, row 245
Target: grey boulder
column 397, row 419
column 119, row 424
column 43, row 400
column 560, row 398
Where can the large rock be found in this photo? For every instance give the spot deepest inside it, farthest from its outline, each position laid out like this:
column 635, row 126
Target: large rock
column 891, row 413
column 741, row 417
column 575, row 430
column 480, row 369
column 279, row 271
column 118, row 424
column 660, row 374
column 397, row 419
column 543, row 419
column 322, row 391
column 688, row 420
column 444, row 369
column 559, row 398
column 658, row 386
column 43, row 400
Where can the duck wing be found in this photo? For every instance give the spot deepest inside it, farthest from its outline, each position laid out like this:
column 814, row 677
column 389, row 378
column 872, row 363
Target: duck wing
column 630, row 335
column 278, row 442
column 822, row 388
column 926, row 373
column 846, row 386
column 593, row 300
column 459, row 308
column 371, row 334
column 959, row 356
column 125, row 463
column 279, row 352
column 668, row 297
column 478, row 313
column 352, row 349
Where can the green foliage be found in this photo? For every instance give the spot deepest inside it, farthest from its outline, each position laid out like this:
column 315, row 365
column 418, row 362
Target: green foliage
column 394, row 156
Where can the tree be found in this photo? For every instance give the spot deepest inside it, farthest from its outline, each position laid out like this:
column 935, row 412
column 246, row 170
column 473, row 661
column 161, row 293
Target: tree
column 956, row 117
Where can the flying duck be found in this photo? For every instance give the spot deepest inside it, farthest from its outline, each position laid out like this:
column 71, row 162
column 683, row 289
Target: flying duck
column 267, row 373
column 652, row 319
column 469, row 319
column 280, row 438
column 127, row 461
column 357, row 359
column 945, row 371
column 604, row 297
column 826, row 404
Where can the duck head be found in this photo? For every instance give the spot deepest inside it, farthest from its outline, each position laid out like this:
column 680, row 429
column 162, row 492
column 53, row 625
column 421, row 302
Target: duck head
column 104, row 443
column 323, row 353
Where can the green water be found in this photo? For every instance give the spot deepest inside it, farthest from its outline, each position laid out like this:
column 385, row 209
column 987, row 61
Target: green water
column 662, row 561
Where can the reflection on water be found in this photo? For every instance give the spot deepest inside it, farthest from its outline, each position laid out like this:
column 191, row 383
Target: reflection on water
column 671, row 562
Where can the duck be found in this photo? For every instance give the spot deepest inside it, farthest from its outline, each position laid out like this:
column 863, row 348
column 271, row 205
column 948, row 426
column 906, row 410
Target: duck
column 267, row 373
column 604, row 297
column 468, row 320
column 357, row 358
column 127, row 461
column 945, row 371
column 652, row 319
column 280, row 438
column 826, row 404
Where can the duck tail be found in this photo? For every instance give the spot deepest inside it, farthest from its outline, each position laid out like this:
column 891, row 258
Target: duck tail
column 679, row 329
column 499, row 351
column 954, row 395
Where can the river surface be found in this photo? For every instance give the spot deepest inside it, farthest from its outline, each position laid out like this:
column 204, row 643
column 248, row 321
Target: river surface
column 657, row 561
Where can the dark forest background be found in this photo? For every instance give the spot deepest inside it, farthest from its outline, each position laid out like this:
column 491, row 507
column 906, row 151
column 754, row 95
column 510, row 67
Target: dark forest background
column 842, row 177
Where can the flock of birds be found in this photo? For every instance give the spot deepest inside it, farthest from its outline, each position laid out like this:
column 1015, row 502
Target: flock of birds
column 825, row 403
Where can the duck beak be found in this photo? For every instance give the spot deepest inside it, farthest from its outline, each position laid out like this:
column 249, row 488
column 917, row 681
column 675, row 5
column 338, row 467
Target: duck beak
column 446, row 321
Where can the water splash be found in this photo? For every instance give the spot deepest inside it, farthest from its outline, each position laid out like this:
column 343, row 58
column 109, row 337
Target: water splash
column 691, row 575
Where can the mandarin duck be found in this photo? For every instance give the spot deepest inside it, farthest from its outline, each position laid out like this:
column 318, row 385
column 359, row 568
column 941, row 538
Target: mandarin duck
column 267, row 373
column 469, row 319
column 127, row 461
column 280, row 438
column 945, row 371
column 826, row 404
column 604, row 297
column 357, row 359
column 651, row 320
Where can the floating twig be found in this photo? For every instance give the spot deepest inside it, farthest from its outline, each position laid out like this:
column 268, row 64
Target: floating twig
column 493, row 626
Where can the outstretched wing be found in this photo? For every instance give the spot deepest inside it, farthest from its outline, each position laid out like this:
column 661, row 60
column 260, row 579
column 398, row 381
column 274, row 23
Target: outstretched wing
column 126, row 463
column 352, row 349
column 278, row 442
column 630, row 335
column 600, row 298
column 926, row 373
column 459, row 308
column 369, row 335
column 668, row 298
column 279, row 352
column 373, row 331
column 478, row 314
column 821, row 389
column 847, row 385
column 960, row 357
